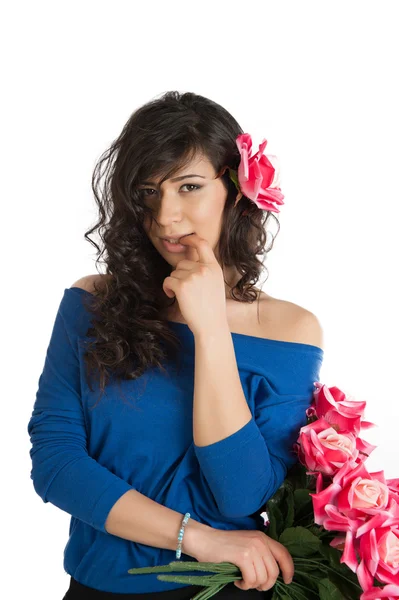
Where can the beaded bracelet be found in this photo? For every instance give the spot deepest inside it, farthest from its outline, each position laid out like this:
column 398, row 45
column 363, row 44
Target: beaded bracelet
column 181, row 533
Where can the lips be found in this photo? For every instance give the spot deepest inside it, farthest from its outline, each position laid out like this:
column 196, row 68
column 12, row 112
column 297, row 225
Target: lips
column 175, row 237
column 173, row 247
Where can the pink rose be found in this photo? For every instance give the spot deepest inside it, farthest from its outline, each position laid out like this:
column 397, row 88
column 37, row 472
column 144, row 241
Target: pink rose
column 322, row 449
column 379, row 551
column 343, row 414
column 259, row 175
column 355, row 502
column 362, row 492
column 351, row 500
column 354, row 493
column 393, row 485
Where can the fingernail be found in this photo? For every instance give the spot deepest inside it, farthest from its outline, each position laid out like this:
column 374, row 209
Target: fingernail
column 288, row 581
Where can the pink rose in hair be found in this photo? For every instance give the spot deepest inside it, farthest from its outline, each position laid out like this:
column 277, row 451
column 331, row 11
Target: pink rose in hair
column 259, row 175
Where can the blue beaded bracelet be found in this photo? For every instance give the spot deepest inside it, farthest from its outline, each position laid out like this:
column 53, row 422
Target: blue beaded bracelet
column 181, row 534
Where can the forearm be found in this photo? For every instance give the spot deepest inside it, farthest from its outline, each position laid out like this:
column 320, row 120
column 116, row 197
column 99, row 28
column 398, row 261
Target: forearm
column 137, row 518
column 231, row 451
column 220, row 407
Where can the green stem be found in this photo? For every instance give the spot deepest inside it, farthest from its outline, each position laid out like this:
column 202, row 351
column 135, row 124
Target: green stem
column 304, row 517
column 206, row 580
column 289, row 589
column 301, row 586
column 306, row 574
column 282, row 588
column 306, row 563
column 322, row 532
column 208, row 592
column 300, row 561
column 304, row 559
column 343, row 577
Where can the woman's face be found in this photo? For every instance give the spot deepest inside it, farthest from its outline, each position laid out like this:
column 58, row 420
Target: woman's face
column 192, row 204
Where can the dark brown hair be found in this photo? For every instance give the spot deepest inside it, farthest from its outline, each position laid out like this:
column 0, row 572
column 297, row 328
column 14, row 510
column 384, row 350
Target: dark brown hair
column 159, row 139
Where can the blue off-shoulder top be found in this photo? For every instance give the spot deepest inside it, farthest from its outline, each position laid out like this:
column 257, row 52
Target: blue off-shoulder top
column 84, row 458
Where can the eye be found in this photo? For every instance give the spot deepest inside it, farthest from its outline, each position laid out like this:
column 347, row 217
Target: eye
column 191, row 185
column 197, row 187
column 144, row 190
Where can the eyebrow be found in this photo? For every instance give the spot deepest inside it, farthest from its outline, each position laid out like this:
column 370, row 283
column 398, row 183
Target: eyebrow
column 175, row 178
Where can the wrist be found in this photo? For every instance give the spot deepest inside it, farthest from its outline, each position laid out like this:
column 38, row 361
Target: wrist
column 194, row 538
column 220, row 330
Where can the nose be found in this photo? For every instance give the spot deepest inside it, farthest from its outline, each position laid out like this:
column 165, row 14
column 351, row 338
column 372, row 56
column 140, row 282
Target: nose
column 167, row 207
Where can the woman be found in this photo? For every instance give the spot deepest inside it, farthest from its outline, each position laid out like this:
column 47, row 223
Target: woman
column 220, row 383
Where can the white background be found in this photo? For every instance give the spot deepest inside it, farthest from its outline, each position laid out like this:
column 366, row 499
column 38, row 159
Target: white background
column 317, row 79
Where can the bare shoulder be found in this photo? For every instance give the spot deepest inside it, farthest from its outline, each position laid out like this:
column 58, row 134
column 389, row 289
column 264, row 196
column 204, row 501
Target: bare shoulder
column 290, row 322
column 91, row 283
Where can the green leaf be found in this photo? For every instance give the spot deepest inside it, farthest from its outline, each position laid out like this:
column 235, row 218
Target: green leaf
column 316, row 530
column 306, row 580
column 189, row 579
column 186, row 565
column 234, row 178
column 333, row 555
column 299, row 541
column 328, row 591
column 338, row 573
column 297, row 476
column 290, row 513
column 304, row 520
column 302, row 499
column 222, row 567
column 347, row 583
column 304, row 513
column 276, row 524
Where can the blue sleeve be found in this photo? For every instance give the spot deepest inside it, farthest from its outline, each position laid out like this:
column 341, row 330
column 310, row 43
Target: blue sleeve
column 245, row 469
column 62, row 471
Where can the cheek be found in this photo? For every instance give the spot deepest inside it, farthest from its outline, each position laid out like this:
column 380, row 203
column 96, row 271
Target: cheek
column 208, row 212
column 148, row 224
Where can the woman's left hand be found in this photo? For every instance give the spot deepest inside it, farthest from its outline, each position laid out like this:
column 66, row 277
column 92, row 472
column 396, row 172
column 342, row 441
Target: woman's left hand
column 198, row 284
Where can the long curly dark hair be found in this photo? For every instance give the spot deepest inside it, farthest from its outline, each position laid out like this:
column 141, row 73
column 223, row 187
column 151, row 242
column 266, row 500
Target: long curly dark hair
column 159, row 139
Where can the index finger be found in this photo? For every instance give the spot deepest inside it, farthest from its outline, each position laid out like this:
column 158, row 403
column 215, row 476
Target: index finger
column 205, row 252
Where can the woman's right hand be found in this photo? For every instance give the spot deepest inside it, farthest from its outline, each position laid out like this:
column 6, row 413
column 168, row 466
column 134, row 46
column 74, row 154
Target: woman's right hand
column 258, row 556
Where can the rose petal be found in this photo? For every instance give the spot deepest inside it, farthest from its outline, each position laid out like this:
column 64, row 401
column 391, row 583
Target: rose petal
column 364, row 576
column 375, row 593
column 349, row 555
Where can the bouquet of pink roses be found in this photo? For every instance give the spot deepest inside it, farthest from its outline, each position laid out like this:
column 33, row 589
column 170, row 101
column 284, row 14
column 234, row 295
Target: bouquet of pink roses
column 339, row 522
column 362, row 506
